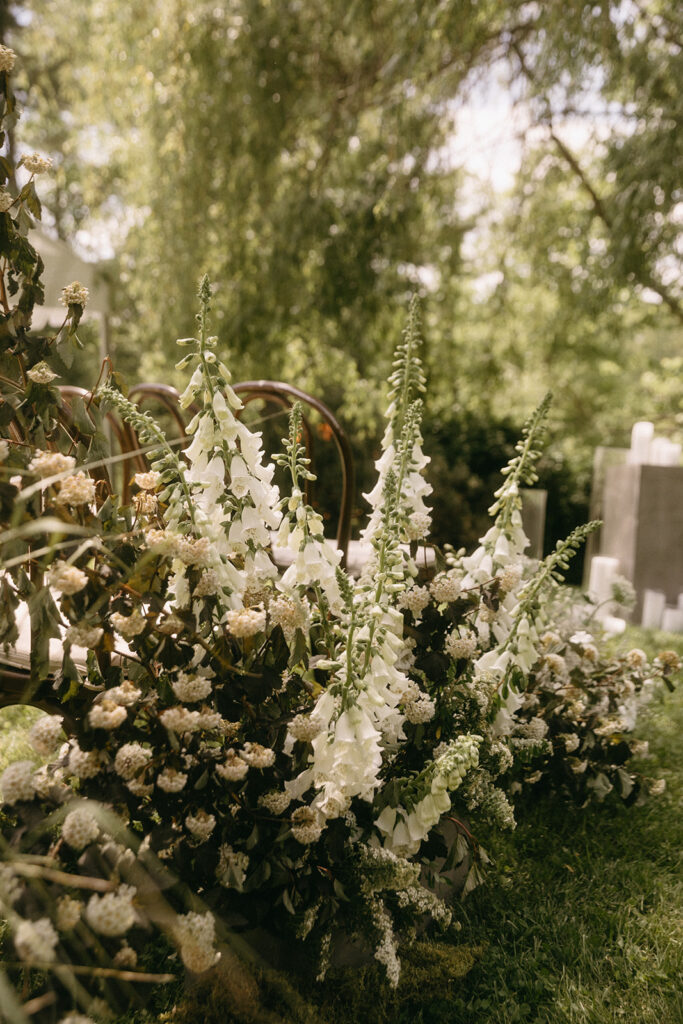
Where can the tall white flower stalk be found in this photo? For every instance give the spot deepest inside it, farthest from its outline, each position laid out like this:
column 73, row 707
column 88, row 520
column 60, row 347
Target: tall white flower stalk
column 402, row 452
column 360, row 712
column 221, row 502
column 315, row 561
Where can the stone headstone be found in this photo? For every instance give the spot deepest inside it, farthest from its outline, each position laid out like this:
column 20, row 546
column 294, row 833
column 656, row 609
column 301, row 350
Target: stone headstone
column 643, row 527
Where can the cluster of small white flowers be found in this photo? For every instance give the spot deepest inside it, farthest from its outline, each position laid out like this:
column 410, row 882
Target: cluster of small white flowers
column 36, row 164
column 45, row 464
column 179, row 719
column 145, row 504
column 41, row 373
column 570, row 741
column 128, row 626
column 306, row 825
column 419, row 711
column 191, row 688
column 126, row 958
column 276, row 801
column 130, row 759
column 171, row 781
column 418, row 526
column 69, row 912
column 67, row 579
column 201, row 825
column 257, row 756
column 113, row 913
column 76, row 1018
column 171, row 625
column 535, row 729
column 45, row 734
column 510, row 576
column 415, row 599
column 7, row 200
column 196, row 934
column 304, row 728
column 460, row 645
column 84, row 764
column 243, row 622
column 194, row 550
column 232, row 867
column 106, row 715
column 386, row 950
column 147, row 481
column 233, row 768
column 636, row 658
column 17, row 783
column 550, row 639
column 421, row 901
column 35, row 941
column 208, row 584
column 84, row 636
column 289, row 615
column 7, row 59
column 4, row 445
column 381, row 870
column 126, row 694
column 74, row 294
column 446, row 586
column 79, row 828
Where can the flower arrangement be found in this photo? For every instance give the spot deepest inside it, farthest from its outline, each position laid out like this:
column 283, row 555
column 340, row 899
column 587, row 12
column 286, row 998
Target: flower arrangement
column 246, row 743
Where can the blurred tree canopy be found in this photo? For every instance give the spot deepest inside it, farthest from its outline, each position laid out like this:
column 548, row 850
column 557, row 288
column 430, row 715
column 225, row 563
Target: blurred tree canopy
column 298, row 152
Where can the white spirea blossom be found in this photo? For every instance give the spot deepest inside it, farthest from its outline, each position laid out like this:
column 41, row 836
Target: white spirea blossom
column 76, row 490
column 36, row 941
column 69, row 911
column 76, row 1018
column 45, row 734
column 233, row 768
column 36, row 164
column 84, row 636
column 201, row 825
column 180, row 720
column 304, row 728
column 84, row 764
column 276, row 801
column 460, row 645
column 74, row 294
column 128, row 626
column 171, row 781
column 257, row 756
column 45, row 464
column 415, row 599
column 67, row 579
column 446, row 587
column 147, row 481
column 307, row 825
column 7, row 59
column 191, row 688
column 106, row 715
column 16, row 782
column 112, row 913
column 130, row 759
column 126, row 958
column 79, row 828
column 41, row 373
column 7, row 200
column 245, row 622
column 126, row 694
column 195, row 935
column 289, row 615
